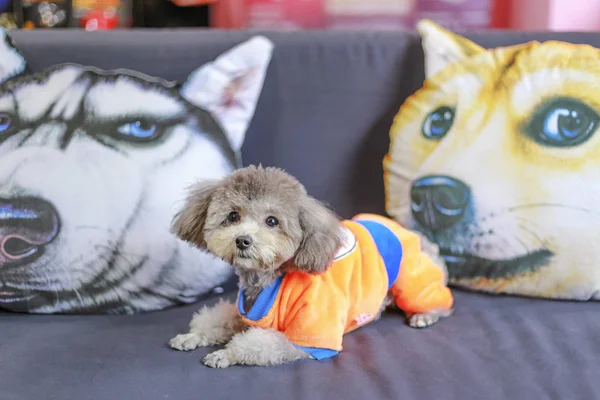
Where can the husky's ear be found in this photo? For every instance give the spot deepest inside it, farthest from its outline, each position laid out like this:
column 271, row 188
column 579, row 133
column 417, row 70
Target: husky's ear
column 442, row 47
column 12, row 62
column 230, row 86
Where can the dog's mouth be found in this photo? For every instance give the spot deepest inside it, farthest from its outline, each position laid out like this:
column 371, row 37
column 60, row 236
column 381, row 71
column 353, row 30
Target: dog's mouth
column 468, row 266
column 9, row 295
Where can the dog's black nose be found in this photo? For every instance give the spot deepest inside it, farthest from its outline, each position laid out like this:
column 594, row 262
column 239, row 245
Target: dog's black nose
column 243, row 242
column 27, row 224
column 438, row 202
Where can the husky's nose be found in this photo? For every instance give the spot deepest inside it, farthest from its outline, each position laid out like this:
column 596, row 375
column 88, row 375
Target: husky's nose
column 243, row 242
column 27, row 224
column 438, row 202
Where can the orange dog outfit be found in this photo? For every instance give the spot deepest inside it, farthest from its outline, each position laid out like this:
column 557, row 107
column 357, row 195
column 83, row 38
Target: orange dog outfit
column 379, row 257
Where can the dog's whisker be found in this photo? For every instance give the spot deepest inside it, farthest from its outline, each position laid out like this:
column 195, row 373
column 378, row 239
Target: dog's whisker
column 475, row 223
column 525, row 224
column 57, row 295
column 68, row 270
column 516, row 238
column 534, row 235
column 94, row 228
column 530, row 226
column 503, row 248
column 106, row 260
column 553, row 205
column 78, row 296
column 110, row 246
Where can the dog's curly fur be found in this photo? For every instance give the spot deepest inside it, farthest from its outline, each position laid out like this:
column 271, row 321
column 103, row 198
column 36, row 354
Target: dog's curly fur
column 288, row 229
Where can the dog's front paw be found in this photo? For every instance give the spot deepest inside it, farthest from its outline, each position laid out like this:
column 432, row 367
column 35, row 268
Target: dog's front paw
column 218, row 359
column 427, row 319
column 187, row 342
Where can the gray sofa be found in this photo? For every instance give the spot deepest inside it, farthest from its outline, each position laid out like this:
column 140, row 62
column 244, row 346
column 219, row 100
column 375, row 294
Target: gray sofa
column 324, row 115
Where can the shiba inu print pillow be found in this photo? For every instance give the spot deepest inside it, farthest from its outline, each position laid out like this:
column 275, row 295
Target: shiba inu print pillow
column 494, row 160
column 93, row 166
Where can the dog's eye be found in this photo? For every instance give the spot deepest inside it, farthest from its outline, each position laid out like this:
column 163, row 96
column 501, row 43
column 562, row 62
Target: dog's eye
column 272, row 222
column 563, row 123
column 438, row 123
column 138, row 130
column 5, row 122
column 233, row 217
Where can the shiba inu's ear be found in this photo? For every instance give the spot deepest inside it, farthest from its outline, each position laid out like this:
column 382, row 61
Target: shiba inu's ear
column 442, row 47
column 230, row 86
column 12, row 62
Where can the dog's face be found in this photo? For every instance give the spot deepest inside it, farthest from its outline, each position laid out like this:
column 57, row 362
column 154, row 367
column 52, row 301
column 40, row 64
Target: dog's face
column 258, row 219
column 253, row 221
column 92, row 164
column 493, row 160
column 124, row 158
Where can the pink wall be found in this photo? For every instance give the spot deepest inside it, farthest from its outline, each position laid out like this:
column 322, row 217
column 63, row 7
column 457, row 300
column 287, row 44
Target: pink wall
column 570, row 15
column 556, row 15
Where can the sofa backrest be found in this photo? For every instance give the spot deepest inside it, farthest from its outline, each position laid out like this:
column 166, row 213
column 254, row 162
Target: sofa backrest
column 328, row 101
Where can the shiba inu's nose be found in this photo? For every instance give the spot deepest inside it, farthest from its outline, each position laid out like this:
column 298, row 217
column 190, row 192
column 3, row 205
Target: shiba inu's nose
column 438, row 202
column 27, row 224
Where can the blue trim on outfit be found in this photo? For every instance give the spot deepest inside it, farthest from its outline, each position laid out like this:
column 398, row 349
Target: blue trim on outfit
column 317, row 353
column 389, row 246
column 261, row 307
column 264, row 301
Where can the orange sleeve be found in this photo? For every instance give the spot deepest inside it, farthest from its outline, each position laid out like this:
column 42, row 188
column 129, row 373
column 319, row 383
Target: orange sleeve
column 317, row 324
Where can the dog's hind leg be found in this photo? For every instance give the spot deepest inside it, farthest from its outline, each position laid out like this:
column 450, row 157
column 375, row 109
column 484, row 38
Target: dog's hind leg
column 210, row 326
column 388, row 302
column 256, row 346
column 420, row 289
column 423, row 320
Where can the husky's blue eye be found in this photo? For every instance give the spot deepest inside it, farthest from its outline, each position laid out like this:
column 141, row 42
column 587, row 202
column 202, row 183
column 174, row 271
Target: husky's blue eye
column 138, row 130
column 563, row 123
column 438, row 123
column 5, row 122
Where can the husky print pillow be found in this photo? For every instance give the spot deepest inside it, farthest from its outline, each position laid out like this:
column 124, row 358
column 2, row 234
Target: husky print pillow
column 494, row 159
column 93, row 165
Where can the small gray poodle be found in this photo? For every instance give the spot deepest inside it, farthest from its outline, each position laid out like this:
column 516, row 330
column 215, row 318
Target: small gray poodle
column 306, row 278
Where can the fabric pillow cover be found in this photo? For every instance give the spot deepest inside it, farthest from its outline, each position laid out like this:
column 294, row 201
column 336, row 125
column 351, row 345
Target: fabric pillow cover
column 494, row 159
column 93, row 166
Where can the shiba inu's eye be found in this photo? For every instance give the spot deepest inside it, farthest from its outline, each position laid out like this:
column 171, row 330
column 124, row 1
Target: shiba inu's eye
column 563, row 123
column 5, row 122
column 438, row 123
column 138, row 130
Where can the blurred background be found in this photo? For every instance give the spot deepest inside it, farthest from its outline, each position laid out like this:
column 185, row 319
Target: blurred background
column 557, row 15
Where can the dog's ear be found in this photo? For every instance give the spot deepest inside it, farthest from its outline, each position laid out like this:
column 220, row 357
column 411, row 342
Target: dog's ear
column 12, row 62
column 442, row 47
column 321, row 237
column 230, row 86
column 188, row 223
